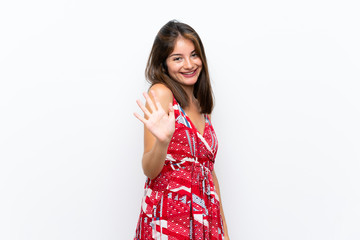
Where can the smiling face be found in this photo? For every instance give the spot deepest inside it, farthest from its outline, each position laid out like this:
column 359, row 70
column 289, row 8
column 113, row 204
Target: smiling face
column 184, row 64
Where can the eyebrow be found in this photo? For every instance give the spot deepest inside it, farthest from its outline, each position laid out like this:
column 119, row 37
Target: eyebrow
column 178, row 54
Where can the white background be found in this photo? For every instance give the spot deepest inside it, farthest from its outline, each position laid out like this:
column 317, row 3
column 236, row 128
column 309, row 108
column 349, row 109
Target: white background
column 286, row 80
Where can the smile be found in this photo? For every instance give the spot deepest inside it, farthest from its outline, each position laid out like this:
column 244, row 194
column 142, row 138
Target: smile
column 189, row 74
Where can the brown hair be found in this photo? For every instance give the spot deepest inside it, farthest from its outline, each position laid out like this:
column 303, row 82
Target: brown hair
column 156, row 69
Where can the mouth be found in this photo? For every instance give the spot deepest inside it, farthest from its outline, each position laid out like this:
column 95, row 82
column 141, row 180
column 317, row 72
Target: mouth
column 189, row 74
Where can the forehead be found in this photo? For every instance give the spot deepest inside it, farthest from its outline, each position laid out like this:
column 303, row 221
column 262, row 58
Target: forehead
column 183, row 45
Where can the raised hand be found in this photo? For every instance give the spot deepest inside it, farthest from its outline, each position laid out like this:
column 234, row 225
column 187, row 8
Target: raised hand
column 158, row 122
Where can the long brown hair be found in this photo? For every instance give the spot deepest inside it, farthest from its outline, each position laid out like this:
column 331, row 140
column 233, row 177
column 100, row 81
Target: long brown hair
column 156, row 69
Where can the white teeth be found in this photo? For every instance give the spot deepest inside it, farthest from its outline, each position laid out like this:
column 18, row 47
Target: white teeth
column 189, row 73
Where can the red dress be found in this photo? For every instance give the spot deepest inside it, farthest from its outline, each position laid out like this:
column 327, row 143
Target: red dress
column 181, row 202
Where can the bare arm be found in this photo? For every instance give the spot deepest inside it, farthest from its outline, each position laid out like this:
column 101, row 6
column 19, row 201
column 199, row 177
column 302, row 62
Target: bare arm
column 159, row 126
column 216, row 182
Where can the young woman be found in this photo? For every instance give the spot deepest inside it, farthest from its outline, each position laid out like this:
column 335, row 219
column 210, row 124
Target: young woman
column 182, row 198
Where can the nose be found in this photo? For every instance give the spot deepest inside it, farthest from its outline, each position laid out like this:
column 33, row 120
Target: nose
column 188, row 63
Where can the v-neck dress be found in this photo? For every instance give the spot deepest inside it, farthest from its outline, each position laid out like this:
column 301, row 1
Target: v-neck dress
column 182, row 202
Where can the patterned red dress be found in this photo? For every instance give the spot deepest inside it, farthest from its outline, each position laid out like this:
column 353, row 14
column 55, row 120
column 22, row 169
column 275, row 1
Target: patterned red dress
column 181, row 202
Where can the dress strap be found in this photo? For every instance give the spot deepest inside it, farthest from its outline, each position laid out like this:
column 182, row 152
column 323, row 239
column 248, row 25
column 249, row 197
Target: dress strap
column 207, row 119
column 180, row 114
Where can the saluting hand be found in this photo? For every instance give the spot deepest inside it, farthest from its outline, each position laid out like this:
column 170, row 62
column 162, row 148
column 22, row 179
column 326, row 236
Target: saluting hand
column 158, row 122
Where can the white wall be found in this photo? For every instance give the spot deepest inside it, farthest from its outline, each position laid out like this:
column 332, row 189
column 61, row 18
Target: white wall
column 286, row 80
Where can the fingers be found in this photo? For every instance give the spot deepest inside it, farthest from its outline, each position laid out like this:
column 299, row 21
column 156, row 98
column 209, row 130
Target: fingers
column 142, row 119
column 149, row 101
column 171, row 111
column 143, row 108
column 158, row 105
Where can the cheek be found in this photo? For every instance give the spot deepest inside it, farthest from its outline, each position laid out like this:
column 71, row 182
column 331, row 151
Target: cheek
column 173, row 68
column 198, row 62
column 171, row 71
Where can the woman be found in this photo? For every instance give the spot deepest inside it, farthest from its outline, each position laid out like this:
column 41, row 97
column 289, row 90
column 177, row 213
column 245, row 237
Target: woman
column 182, row 199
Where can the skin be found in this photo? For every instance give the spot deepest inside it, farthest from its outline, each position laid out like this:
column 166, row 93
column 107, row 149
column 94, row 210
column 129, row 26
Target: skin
column 184, row 66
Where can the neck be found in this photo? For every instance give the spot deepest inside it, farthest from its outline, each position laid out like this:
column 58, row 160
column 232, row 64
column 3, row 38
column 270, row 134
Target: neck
column 193, row 103
column 189, row 90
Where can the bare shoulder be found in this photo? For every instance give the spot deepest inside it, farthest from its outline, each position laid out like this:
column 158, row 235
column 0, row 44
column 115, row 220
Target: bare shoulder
column 163, row 95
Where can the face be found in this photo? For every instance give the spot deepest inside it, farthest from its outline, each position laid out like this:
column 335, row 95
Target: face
column 184, row 64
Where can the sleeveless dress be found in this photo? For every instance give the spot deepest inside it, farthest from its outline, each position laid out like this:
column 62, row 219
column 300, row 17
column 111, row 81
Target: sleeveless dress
column 181, row 202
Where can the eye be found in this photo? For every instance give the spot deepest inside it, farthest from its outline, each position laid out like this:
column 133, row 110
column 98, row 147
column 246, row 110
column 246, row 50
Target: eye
column 194, row 55
column 177, row 58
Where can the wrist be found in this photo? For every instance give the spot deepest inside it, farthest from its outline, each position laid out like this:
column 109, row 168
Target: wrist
column 164, row 143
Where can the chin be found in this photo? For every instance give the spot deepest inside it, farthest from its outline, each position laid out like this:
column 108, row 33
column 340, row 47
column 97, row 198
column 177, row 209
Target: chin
column 189, row 82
